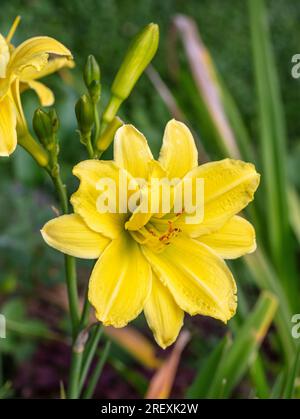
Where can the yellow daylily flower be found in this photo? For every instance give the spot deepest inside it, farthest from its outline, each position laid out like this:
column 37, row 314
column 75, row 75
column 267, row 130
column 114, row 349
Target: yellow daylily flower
column 157, row 262
column 20, row 68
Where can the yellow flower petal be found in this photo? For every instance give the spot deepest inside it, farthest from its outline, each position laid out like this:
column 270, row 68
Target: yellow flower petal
column 198, row 279
column 164, row 316
column 178, row 154
column 34, row 53
column 52, row 65
column 8, row 121
column 120, row 282
column 150, row 193
column 84, row 200
column 229, row 186
column 139, row 218
column 16, row 97
column 234, row 239
column 131, row 151
column 45, row 95
column 4, row 56
column 69, row 234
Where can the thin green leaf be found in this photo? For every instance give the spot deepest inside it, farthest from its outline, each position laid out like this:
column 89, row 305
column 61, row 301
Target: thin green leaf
column 243, row 351
column 273, row 148
column 203, row 380
column 293, row 373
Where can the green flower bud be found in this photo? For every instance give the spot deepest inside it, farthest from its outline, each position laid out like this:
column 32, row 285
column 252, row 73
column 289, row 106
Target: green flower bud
column 139, row 54
column 91, row 71
column 95, row 91
column 85, row 114
column 42, row 126
column 54, row 120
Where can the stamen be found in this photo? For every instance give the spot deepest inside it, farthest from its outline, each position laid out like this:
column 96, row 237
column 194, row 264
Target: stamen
column 13, row 29
column 157, row 240
column 170, row 233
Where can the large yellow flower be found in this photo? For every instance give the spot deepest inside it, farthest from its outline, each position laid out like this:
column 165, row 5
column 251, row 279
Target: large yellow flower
column 157, row 262
column 19, row 70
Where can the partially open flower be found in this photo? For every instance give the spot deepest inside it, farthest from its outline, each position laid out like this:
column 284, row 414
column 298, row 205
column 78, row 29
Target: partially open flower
column 159, row 262
column 20, row 68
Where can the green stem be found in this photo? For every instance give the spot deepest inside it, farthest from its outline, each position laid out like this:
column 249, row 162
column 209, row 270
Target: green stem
column 85, row 312
column 71, row 280
column 97, row 123
column 70, row 262
column 89, row 391
column 62, row 193
column 90, row 352
column 86, row 139
column 75, row 369
column 70, row 269
column 89, row 148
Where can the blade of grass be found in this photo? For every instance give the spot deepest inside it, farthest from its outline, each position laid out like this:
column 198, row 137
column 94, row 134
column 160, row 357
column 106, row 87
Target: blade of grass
column 244, row 348
column 294, row 204
column 134, row 378
column 93, row 380
column 273, row 149
column 89, row 353
column 259, row 379
column 278, row 387
column 265, row 278
column 203, row 380
column 293, row 374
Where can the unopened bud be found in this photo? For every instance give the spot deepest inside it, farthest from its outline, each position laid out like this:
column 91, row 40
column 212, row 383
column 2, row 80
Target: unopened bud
column 95, row 91
column 91, row 71
column 139, row 54
column 84, row 114
column 42, row 126
column 54, row 120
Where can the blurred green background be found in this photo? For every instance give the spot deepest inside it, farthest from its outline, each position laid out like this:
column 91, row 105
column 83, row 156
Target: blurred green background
column 104, row 28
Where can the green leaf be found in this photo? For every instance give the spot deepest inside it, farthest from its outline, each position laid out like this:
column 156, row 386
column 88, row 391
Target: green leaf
column 293, row 374
column 273, row 150
column 203, row 380
column 244, row 348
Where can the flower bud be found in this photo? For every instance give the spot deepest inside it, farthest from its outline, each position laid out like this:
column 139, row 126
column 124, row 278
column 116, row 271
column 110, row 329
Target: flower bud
column 42, row 126
column 95, row 91
column 139, row 54
column 85, row 114
column 91, row 71
column 54, row 120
